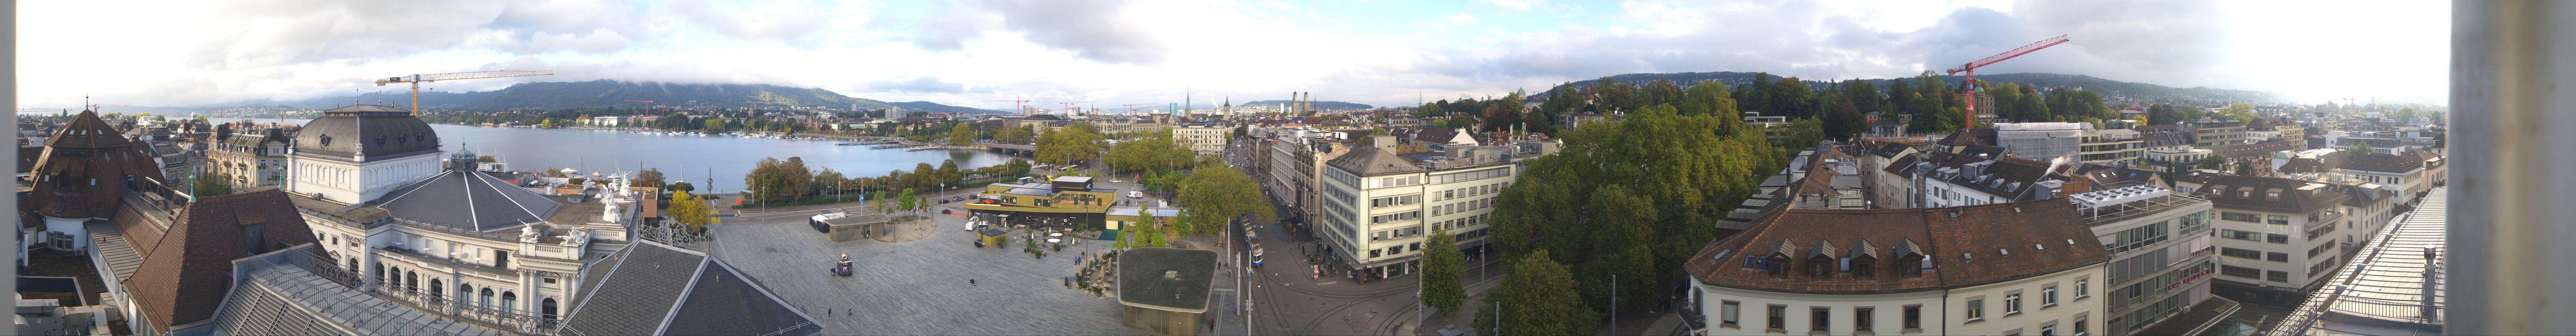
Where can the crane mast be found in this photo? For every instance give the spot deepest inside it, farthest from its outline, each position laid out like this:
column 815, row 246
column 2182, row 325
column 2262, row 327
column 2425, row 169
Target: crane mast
column 1971, row 68
column 416, row 79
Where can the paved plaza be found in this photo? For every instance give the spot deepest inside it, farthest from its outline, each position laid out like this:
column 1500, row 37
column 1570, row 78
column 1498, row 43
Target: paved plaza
column 920, row 287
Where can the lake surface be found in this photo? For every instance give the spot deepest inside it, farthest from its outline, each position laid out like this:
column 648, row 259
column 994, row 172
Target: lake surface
column 688, row 158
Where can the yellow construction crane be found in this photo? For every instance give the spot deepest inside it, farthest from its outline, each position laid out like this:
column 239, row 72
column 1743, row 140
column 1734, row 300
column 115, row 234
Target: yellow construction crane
column 417, row 78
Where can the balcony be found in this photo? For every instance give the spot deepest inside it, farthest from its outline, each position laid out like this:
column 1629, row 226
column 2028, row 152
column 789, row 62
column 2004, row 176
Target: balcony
column 416, row 255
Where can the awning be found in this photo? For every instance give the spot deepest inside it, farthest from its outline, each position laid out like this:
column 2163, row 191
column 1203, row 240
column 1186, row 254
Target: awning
column 1108, row 235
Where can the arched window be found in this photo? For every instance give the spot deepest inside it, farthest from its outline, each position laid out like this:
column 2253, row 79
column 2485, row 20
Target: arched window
column 509, row 302
column 547, row 307
column 353, row 265
column 411, row 282
column 464, row 293
column 380, row 273
column 484, row 300
column 435, row 292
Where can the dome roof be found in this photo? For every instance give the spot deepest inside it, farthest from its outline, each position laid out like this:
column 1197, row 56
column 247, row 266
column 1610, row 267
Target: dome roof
column 365, row 133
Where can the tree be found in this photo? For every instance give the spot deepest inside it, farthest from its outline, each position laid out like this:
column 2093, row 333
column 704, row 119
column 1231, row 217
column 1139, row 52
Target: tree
column 1216, row 195
column 2357, row 149
column 962, row 134
column 948, row 173
column 1844, row 121
column 214, row 185
column 905, row 201
column 680, row 186
column 689, row 210
column 2245, row 168
column 2213, row 162
column 647, row 178
column 486, row 158
column 1074, row 144
column 1443, row 269
column 2239, row 111
column 715, row 125
column 1541, row 299
column 773, row 179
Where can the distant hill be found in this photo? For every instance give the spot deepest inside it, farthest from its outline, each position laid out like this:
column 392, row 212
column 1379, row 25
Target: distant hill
column 1325, row 104
column 553, row 95
column 2109, row 88
column 939, row 108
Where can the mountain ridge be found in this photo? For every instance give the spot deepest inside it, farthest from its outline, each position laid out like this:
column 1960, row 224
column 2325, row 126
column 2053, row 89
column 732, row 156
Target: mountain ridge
column 598, row 93
column 2112, row 88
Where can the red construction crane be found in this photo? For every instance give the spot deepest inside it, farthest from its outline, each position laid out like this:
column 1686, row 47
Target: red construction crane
column 648, row 105
column 1971, row 69
column 1015, row 104
column 1068, row 106
column 1131, row 108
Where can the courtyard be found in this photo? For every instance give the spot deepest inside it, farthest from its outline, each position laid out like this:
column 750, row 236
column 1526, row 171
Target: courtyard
column 920, row 286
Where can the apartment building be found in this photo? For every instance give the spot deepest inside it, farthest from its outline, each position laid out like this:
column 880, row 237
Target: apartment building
column 1293, row 156
column 1377, row 206
column 2175, row 160
column 2112, row 147
column 2273, row 236
column 2215, row 132
column 250, row 159
column 2404, row 174
column 1204, row 138
column 2160, row 250
column 1996, row 269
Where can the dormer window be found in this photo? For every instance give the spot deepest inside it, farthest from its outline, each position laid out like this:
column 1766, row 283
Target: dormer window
column 1777, row 265
column 1910, row 266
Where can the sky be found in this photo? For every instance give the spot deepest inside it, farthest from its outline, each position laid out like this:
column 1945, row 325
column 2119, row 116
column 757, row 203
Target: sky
column 1116, row 52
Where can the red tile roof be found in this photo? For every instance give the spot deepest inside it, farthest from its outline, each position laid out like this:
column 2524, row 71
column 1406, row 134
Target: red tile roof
column 187, row 274
column 1982, row 232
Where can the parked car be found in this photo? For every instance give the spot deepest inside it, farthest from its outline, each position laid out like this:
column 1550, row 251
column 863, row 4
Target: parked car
column 1135, row 194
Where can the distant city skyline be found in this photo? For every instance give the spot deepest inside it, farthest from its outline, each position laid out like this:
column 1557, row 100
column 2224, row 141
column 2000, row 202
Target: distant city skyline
column 961, row 53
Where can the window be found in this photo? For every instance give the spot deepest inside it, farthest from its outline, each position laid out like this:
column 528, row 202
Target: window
column 2240, row 235
column 2240, row 253
column 2321, row 248
column 1779, row 317
column 1778, row 265
column 2136, row 237
column 2276, row 238
column 2048, row 330
column 1976, row 310
column 1727, row 313
column 2012, row 304
column 252, row 238
column 2079, row 324
column 1862, row 318
column 1864, row 267
column 1373, row 253
column 1820, row 267
column 2241, row 272
column 2276, row 276
column 2241, row 217
column 2048, row 297
column 1911, row 266
column 1821, row 319
column 2082, row 290
column 2276, row 257
column 1914, row 317
column 2276, row 219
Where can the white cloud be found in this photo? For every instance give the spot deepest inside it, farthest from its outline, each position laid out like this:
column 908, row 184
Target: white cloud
column 959, row 53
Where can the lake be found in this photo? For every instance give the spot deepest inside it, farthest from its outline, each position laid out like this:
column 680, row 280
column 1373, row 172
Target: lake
column 687, row 158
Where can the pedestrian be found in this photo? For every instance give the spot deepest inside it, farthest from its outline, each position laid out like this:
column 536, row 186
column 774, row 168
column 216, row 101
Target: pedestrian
column 971, row 282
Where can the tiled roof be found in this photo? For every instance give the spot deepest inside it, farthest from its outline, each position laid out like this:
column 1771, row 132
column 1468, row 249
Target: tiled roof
column 1963, row 137
column 1902, row 167
column 654, row 289
column 1984, row 151
column 1967, row 246
column 2254, row 193
column 2252, row 150
column 468, row 200
column 83, row 169
column 185, row 277
column 2320, row 164
column 2384, row 162
column 1371, row 161
column 376, row 132
column 1889, row 149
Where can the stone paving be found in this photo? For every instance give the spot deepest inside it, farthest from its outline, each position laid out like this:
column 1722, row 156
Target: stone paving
column 920, row 287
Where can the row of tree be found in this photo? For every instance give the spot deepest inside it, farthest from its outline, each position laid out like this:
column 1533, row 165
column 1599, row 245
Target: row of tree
column 772, row 179
column 1629, row 198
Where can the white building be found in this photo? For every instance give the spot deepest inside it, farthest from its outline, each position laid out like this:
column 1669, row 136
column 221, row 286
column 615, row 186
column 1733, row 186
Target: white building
column 610, row 121
column 1377, row 206
column 1204, row 138
column 358, row 153
column 2024, row 268
column 2276, row 238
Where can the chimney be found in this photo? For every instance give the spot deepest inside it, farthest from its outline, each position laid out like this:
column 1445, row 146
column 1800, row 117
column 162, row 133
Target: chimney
column 2078, row 185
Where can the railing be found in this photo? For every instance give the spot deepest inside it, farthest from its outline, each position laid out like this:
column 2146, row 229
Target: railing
column 463, row 311
column 449, row 262
column 2178, row 199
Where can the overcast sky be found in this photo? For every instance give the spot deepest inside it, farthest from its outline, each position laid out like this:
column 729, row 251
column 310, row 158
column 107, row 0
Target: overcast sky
column 1379, row 53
